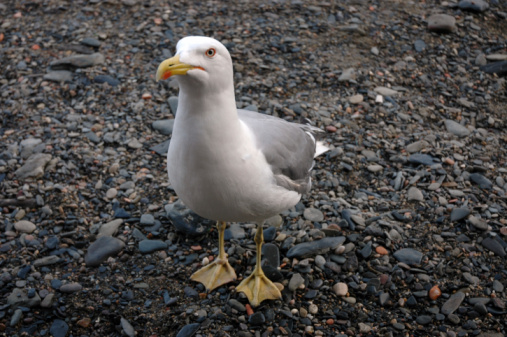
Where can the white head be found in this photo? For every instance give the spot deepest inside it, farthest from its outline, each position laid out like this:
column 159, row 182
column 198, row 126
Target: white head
column 200, row 63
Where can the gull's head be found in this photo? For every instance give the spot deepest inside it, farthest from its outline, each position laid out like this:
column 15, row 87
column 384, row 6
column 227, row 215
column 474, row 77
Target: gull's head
column 198, row 60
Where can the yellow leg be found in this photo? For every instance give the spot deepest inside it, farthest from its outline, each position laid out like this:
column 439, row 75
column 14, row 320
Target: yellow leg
column 257, row 287
column 218, row 272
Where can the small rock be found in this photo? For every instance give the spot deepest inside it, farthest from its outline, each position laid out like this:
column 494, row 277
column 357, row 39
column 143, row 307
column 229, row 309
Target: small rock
column 59, row 76
column 150, row 246
column 409, row 256
column 385, row 91
column 456, row 128
column 106, row 79
column 307, row 249
column 111, row 193
column 71, row 288
column 481, row 180
column 34, row 166
column 356, row 99
column 473, row 5
column 347, row 75
column 441, row 23
column 459, row 213
column 341, row 289
column 415, row 194
column 101, row 249
column 493, row 245
column 59, row 328
column 313, row 214
column 452, row 303
column 25, row 226
column 128, row 329
column 296, row 281
column 78, row 61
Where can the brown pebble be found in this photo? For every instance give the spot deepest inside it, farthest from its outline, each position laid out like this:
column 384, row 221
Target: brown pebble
column 503, row 230
column 330, row 321
column 435, row 293
column 449, row 161
column 381, row 250
column 84, row 322
column 331, row 128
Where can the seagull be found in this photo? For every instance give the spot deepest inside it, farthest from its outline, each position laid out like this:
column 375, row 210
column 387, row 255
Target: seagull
column 229, row 164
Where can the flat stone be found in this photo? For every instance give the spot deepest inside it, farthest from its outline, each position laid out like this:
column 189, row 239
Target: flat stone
column 356, row 99
column 59, row 328
column 478, row 223
column 313, row 214
column 150, row 246
column 423, row 319
column 164, row 126
column 78, row 61
column 481, row 180
column 375, row 168
column 71, row 287
column 46, row 261
column 385, row 91
column 419, row 158
column 147, row 220
column 34, row 166
column 456, row 128
column 499, row 68
column 25, row 226
column 452, row 303
column 162, row 148
column 106, row 79
column 235, row 231
column 307, row 249
column 19, row 298
column 128, row 329
column 59, row 76
column 441, row 23
column 473, row 5
column 494, row 246
column 188, row 330
column 90, row 41
column 101, row 249
column 458, row 214
column 111, row 193
column 415, row 194
column 48, row 301
column 271, row 254
column 409, row 256
column 417, row 146
column 347, row 75
column 296, row 281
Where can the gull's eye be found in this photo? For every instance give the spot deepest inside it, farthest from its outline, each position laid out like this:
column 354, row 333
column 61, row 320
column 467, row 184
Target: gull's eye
column 210, row 52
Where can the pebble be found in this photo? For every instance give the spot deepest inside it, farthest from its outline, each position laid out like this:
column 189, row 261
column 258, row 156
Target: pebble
column 458, row 214
column 59, row 76
column 452, row 304
column 25, row 226
column 257, row 318
column 386, row 91
column 128, row 329
column 356, row 99
column 415, row 194
column 296, row 281
column 313, row 214
column 59, row 328
column 106, row 79
column 473, row 5
column 409, row 256
column 441, row 23
column 150, row 246
column 71, row 287
column 493, row 245
column 308, row 249
column 456, row 128
column 481, row 180
column 33, row 166
column 78, row 61
column 101, row 249
column 110, row 228
column 340, row 289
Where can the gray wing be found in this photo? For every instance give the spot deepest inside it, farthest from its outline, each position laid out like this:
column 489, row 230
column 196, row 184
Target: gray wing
column 288, row 147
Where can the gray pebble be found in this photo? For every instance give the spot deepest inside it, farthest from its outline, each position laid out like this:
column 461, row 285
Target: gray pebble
column 307, row 249
column 452, row 303
column 150, row 246
column 409, row 256
column 313, row 214
column 101, row 249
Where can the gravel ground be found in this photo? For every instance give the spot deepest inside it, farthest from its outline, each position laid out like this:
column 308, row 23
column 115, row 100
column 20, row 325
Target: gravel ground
column 403, row 234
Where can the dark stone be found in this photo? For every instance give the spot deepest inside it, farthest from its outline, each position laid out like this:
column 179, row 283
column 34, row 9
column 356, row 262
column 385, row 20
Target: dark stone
column 409, row 256
column 150, row 246
column 106, row 79
column 188, row 330
column 101, row 249
column 307, row 249
column 499, row 68
column 473, row 5
column 452, row 303
column 481, row 180
column 459, row 213
column 59, row 328
column 423, row 159
column 257, row 318
column 494, row 246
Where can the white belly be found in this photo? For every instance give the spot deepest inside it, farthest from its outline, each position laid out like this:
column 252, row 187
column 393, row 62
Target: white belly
column 230, row 182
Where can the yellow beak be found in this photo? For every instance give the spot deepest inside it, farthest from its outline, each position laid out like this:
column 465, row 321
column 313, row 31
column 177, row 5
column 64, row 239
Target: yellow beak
column 173, row 66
